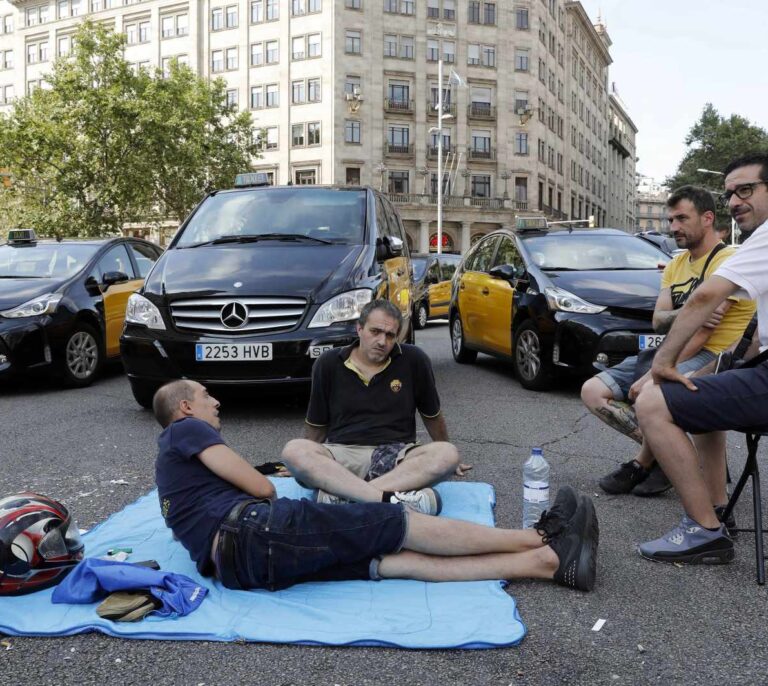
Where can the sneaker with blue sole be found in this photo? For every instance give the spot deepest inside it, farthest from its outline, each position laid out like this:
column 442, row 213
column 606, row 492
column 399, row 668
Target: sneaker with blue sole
column 690, row 543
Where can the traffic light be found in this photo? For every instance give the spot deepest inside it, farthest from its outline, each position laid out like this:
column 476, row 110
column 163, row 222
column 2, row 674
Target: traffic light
column 591, row 221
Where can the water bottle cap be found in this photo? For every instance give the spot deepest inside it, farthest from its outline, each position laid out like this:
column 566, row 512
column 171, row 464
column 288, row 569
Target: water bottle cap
column 536, row 451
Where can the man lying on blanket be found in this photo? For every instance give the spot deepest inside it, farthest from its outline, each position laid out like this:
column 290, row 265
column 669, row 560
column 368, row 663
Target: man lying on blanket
column 226, row 515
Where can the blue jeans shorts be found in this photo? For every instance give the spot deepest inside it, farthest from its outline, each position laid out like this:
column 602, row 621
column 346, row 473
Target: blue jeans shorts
column 620, row 378
column 287, row 541
column 734, row 400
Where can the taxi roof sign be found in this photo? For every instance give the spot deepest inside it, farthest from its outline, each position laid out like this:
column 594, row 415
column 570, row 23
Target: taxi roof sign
column 251, row 179
column 22, row 236
column 531, row 223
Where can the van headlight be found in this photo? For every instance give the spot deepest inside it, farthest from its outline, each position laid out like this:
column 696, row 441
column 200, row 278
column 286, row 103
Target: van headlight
column 342, row 308
column 142, row 311
column 43, row 304
column 561, row 300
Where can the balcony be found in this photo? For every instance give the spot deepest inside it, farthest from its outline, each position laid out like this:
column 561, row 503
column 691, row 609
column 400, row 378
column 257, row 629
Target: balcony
column 399, row 149
column 481, row 154
column 432, row 151
column 458, row 202
column 398, row 105
column 487, row 203
column 404, row 198
column 447, row 109
column 619, row 140
column 481, row 110
column 553, row 214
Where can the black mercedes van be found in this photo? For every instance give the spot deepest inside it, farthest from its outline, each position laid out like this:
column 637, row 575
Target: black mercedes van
column 260, row 280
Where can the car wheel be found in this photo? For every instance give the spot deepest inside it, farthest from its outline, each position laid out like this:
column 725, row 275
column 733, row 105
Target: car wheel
column 461, row 353
column 143, row 392
column 532, row 367
column 82, row 356
column 421, row 316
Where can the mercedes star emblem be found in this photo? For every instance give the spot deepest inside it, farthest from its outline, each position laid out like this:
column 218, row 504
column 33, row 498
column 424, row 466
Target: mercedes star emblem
column 237, row 284
column 234, row 315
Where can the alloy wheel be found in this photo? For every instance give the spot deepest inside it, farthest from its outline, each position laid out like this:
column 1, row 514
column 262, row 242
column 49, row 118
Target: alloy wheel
column 528, row 354
column 82, row 355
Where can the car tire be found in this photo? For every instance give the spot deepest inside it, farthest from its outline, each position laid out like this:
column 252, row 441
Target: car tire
column 420, row 316
column 461, row 353
column 143, row 392
column 82, row 356
column 531, row 363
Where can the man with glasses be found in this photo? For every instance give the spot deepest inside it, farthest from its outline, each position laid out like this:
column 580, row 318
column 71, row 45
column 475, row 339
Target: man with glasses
column 736, row 399
column 363, row 402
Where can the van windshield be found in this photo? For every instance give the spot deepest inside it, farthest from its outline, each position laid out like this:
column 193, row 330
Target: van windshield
column 323, row 215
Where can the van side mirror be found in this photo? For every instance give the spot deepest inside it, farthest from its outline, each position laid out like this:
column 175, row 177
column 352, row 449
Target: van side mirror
column 388, row 247
column 111, row 278
column 504, row 271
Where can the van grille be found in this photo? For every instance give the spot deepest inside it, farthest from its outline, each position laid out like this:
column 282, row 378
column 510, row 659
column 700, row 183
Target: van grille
column 235, row 316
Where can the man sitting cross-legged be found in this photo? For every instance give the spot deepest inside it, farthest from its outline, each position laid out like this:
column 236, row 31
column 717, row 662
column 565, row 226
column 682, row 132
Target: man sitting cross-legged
column 226, row 515
column 364, row 402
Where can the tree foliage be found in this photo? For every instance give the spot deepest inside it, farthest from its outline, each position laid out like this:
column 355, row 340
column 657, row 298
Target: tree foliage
column 105, row 144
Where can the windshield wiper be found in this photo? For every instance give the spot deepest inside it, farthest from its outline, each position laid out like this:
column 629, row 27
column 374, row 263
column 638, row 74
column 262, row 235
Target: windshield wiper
column 29, row 276
column 261, row 237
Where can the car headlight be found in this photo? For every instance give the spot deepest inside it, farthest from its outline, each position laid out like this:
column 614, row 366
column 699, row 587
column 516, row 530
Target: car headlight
column 558, row 299
column 142, row 311
column 44, row 304
column 342, row 308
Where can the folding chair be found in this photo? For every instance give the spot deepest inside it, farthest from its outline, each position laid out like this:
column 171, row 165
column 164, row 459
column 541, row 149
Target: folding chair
column 751, row 470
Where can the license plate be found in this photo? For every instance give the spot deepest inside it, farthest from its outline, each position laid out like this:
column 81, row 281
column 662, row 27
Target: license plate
column 233, row 352
column 315, row 351
column 650, row 341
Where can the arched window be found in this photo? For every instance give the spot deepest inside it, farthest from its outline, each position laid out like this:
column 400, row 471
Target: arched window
column 447, row 243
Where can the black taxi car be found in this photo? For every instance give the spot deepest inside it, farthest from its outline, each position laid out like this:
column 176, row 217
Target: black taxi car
column 432, row 275
column 550, row 300
column 260, row 280
column 62, row 303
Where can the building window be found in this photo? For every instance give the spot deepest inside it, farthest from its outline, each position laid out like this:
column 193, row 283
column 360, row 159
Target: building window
column 273, row 95
column 143, row 32
column 297, row 135
column 390, row 45
column 232, row 17
column 352, row 5
column 297, row 7
column 298, row 92
column 352, row 84
column 232, row 98
column 406, row 47
column 473, row 54
column 449, row 10
column 353, row 42
column 521, row 18
column 306, row 177
column 313, row 90
column 352, row 131
column 217, row 19
column 314, row 6
column 257, row 97
column 8, row 25
column 353, row 176
column 257, row 54
column 272, row 138
column 433, row 50
column 521, row 143
column 521, row 189
column 297, row 48
column 488, row 53
column 481, row 186
column 313, row 133
column 449, row 51
column 273, row 13
column 398, row 139
column 521, row 59
column 433, row 9
column 398, row 182
column 232, row 60
column 257, row 11
column 217, row 61
column 521, row 101
column 314, row 45
column 273, row 52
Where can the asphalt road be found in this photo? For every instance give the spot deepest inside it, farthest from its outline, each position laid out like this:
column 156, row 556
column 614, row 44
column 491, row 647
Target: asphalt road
column 664, row 624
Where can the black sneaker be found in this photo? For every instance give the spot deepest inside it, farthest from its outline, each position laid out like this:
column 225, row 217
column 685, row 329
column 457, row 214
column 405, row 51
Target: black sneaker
column 556, row 518
column 576, row 548
column 624, row 479
column 730, row 523
column 656, row 483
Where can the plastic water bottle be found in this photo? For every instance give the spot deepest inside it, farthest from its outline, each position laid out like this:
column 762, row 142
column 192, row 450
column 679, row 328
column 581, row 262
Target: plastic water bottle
column 535, row 488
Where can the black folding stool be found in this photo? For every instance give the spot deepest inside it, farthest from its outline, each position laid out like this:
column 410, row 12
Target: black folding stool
column 751, row 470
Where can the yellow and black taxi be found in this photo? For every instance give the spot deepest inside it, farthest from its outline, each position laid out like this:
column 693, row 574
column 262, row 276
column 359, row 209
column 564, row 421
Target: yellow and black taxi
column 554, row 299
column 62, row 302
column 432, row 275
column 260, row 280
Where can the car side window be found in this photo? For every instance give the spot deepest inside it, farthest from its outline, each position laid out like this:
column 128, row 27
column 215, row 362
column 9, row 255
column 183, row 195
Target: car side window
column 395, row 227
column 433, row 274
column 382, row 222
column 115, row 260
column 481, row 258
column 145, row 257
column 448, row 268
column 507, row 253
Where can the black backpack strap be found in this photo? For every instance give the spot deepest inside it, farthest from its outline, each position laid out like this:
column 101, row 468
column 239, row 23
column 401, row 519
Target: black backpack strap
column 746, row 339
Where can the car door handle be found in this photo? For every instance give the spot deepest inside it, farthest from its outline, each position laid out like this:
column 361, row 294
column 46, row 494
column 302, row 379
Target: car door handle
column 485, row 290
column 400, row 272
column 462, row 286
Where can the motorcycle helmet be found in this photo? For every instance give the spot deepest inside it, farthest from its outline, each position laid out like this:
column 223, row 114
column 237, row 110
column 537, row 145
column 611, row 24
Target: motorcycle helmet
column 39, row 543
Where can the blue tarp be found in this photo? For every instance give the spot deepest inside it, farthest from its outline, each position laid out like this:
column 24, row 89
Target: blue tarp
column 396, row 613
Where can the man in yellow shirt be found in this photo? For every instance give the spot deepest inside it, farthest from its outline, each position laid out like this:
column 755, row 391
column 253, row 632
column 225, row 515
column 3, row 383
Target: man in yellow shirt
column 691, row 214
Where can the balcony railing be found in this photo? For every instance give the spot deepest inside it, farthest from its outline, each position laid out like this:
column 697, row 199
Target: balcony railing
column 481, row 154
column 448, row 108
column 481, row 110
column 398, row 149
column 552, row 213
column 404, row 198
column 432, row 151
column 489, row 203
column 397, row 105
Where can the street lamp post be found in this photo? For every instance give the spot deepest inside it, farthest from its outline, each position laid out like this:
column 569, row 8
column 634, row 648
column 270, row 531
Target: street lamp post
column 733, row 221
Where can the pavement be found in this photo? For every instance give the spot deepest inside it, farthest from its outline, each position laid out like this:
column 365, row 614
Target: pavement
column 94, row 450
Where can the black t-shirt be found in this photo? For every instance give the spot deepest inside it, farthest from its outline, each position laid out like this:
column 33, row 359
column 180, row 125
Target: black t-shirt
column 384, row 410
column 193, row 500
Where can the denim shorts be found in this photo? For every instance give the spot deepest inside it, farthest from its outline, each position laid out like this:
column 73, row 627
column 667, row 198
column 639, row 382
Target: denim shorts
column 620, row 378
column 734, row 400
column 287, row 541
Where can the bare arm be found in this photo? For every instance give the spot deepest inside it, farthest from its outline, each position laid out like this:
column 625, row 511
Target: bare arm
column 695, row 313
column 315, row 433
column 227, row 464
column 436, row 427
column 663, row 313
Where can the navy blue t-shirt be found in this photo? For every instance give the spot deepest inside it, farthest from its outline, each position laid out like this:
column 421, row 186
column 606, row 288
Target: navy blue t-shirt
column 193, row 500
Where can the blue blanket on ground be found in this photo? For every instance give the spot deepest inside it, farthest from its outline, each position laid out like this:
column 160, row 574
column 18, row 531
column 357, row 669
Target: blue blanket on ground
column 396, row 613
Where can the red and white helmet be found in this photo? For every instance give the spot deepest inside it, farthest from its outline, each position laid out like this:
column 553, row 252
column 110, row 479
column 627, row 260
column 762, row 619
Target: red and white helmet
column 39, row 543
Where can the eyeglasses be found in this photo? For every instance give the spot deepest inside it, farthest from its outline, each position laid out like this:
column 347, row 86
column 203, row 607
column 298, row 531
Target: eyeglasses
column 742, row 192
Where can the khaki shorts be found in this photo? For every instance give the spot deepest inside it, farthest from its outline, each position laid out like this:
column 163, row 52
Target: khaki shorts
column 357, row 458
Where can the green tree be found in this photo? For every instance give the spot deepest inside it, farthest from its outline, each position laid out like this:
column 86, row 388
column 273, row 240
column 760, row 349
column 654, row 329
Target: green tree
column 105, row 144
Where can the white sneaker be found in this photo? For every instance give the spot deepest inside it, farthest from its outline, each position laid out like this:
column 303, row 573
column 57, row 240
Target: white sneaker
column 426, row 500
column 330, row 499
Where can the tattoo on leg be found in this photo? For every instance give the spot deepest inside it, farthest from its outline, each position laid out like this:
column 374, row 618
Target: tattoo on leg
column 621, row 416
